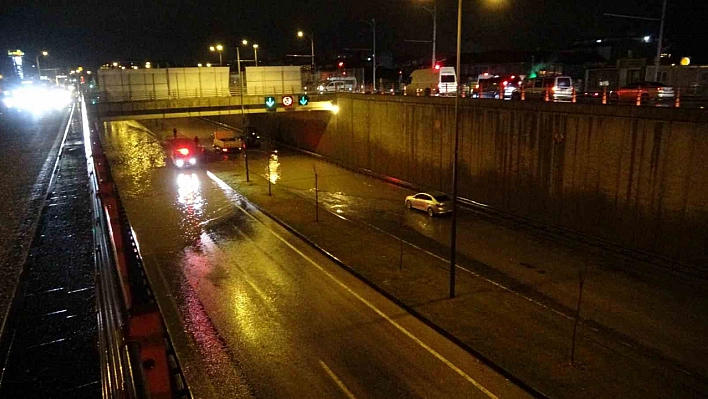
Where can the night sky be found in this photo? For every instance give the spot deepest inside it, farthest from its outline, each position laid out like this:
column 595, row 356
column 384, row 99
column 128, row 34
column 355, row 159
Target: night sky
column 90, row 33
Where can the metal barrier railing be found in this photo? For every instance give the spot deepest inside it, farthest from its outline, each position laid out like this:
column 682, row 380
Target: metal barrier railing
column 137, row 360
column 108, row 96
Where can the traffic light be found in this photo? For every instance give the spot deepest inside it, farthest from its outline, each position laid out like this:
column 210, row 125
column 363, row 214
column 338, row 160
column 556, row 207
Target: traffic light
column 437, row 67
column 270, row 103
column 341, row 64
column 304, row 99
column 288, row 101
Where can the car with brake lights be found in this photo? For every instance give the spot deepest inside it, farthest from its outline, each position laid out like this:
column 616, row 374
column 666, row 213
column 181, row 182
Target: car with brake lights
column 184, row 153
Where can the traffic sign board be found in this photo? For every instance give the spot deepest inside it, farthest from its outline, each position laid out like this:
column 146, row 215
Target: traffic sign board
column 288, row 101
column 270, row 103
column 304, row 99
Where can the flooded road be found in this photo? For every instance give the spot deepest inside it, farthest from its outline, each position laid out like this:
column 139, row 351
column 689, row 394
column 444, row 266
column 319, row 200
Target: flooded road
column 255, row 312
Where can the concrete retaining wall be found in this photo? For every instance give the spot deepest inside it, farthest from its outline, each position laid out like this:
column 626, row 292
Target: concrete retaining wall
column 635, row 176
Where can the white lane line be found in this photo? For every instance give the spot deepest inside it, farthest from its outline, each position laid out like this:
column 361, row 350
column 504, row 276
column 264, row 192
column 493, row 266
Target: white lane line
column 371, row 306
column 336, row 379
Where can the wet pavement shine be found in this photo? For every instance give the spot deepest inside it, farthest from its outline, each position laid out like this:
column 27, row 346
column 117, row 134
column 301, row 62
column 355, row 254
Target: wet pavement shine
column 256, row 317
column 49, row 342
column 254, row 311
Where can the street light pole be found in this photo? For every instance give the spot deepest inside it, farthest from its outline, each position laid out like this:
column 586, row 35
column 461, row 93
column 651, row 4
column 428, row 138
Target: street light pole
column 455, row 172
column 240, row 82
column 243, row 115
column 434, row 12
column 312, row 52
column 39, row 70
column 435, row 30
column 659, row 43
column 219, row 48
column 372, row 23
column 657, row 61
column 255, row 53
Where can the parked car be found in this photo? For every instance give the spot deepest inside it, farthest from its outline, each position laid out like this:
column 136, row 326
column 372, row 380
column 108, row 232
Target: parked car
column 647, row 92
column 558, row 88
column 433, row 203
column 251, row 137
column 489, row 86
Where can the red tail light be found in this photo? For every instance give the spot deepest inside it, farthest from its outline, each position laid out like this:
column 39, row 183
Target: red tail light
column 183, row 151
column 505, row 83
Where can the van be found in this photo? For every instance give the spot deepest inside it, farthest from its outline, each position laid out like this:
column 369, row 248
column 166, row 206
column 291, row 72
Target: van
column 441, row 81
column 447, row 86
column 559, row 88
column 337, row 84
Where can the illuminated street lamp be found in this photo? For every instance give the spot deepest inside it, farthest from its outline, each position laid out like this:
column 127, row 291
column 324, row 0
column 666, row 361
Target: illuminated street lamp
column 302, row 34
column 39, row 71
column 219, row 48
column 255, row 53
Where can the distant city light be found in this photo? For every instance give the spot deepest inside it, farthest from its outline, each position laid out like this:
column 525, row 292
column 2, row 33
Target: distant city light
column 598, row 41
column 647, row 39
column 199, row 65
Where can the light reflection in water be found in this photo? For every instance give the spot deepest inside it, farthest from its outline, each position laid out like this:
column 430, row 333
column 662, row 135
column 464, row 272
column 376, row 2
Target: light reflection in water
column 191, row 203
column 273, row 168
column 188, row 190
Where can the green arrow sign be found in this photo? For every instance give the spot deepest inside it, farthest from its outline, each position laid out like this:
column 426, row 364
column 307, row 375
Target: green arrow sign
column 304, row 99
column 270, row 103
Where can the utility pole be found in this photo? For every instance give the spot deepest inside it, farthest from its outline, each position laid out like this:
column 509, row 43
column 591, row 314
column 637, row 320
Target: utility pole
column 455, row 172
column 373, row 56
column 657, row 61
column 243, row 115
column 659, row 43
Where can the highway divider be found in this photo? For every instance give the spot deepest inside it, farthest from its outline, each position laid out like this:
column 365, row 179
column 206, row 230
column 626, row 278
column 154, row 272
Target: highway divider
column 137, row 358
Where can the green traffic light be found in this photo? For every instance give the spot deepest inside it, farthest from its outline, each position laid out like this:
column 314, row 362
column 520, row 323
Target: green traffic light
column 304, row 99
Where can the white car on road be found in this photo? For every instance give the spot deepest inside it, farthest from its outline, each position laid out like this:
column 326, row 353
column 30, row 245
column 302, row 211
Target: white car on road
column 433, row 203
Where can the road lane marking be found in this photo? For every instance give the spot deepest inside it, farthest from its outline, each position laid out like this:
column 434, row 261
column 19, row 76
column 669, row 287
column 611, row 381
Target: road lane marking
column 336, row 379
column 371, row 306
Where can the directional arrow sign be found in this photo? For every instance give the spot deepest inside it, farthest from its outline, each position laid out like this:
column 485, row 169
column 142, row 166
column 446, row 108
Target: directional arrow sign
column 288, row 101
column 270, row 103
column 304, row 99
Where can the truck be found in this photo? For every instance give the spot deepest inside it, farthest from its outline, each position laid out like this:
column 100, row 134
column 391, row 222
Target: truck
column 226, row 141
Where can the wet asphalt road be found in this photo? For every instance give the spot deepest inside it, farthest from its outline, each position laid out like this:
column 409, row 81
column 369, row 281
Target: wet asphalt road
column 264, row 315
column 29, row 148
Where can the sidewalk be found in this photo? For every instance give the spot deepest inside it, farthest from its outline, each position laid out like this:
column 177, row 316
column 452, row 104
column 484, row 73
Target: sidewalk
column 528, row 334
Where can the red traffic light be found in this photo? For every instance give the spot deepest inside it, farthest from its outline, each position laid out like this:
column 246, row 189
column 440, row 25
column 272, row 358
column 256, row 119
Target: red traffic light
column 341, row 64
column 437, row 67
